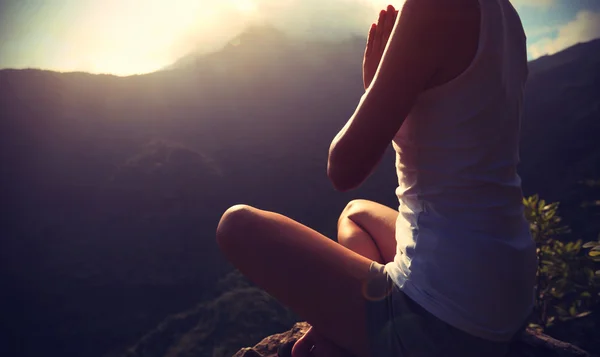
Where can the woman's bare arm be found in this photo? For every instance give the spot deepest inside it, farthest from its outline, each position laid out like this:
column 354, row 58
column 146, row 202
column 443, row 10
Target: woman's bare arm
column 410, row 59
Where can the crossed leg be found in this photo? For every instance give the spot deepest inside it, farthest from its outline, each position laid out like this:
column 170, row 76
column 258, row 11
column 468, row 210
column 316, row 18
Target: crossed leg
column 367, row 228
column 320, row 280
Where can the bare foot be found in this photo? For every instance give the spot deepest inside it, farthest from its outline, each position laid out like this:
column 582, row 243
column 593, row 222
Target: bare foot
column 312, row 344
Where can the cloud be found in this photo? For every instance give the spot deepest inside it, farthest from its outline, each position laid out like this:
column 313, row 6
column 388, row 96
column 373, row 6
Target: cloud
column 319, row 19
column 139, row 36
column 322, row 19
column 533, row 3
column 316, row 19
column 585, row 27
column 540, row 31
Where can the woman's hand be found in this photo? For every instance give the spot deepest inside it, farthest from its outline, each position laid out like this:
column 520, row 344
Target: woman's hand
column 397, row 68
column 376, row 43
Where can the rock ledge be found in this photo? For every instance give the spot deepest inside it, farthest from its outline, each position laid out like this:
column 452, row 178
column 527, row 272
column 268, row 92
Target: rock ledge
column 529, row 344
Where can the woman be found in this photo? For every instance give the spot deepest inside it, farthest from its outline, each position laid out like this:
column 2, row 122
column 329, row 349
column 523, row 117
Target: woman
column 451, row 273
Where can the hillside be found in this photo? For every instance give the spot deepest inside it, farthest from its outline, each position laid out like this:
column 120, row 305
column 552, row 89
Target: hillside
column 560, row 132
column 113, row 186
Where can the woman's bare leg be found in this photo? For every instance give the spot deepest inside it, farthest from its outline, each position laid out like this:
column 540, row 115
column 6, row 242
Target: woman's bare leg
column 317, row 278
column 367, row 228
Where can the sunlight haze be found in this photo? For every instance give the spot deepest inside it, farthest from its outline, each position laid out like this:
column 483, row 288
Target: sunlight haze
column 125, row 37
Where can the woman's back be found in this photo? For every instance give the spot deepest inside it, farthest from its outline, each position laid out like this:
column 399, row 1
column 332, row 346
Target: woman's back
column 464, row 250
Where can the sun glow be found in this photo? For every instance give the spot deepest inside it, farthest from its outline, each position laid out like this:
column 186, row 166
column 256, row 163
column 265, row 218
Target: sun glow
column 246, row 6
column 126, row 37
column 138, row 39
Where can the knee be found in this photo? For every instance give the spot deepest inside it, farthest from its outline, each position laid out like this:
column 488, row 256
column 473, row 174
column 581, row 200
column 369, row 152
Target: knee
column 349, row 220
column 353, row 210
column 235, row 220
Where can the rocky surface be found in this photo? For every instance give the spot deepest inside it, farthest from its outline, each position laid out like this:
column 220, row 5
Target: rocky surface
column 530, row 344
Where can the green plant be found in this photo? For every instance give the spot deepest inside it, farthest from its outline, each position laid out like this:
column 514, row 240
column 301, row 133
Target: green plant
column 566, row 286
column 594, row 251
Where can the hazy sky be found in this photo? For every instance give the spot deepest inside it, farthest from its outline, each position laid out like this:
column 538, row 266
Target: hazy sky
column 134, row 36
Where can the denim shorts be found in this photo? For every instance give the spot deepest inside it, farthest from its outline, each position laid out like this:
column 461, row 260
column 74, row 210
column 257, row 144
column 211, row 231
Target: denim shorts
column 399, row 327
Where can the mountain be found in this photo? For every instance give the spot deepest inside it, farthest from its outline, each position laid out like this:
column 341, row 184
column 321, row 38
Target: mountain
column 113, row 186
column 560, row 154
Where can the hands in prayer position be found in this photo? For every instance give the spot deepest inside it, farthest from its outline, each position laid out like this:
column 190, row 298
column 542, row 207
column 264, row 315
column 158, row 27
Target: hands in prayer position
column 376, row 43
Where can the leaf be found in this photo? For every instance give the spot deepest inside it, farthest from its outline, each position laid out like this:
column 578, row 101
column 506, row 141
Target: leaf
column 589, row 273
column 561, row 311
column 591, row 244
column 594, row 253
column 573, row 310
column 536, row 327
column 583, row 314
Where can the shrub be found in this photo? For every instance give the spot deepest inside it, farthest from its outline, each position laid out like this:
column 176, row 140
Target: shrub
column 567, row 286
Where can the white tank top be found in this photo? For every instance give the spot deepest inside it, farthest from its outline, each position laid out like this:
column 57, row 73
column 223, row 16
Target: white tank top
column 464, row 250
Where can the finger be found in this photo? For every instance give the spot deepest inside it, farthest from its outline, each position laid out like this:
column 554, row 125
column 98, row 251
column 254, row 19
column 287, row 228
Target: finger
column 390, row 14
column 385, row 30
column 379, row 31
column 370, row 39
column 381, row 18
column 390, row 21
